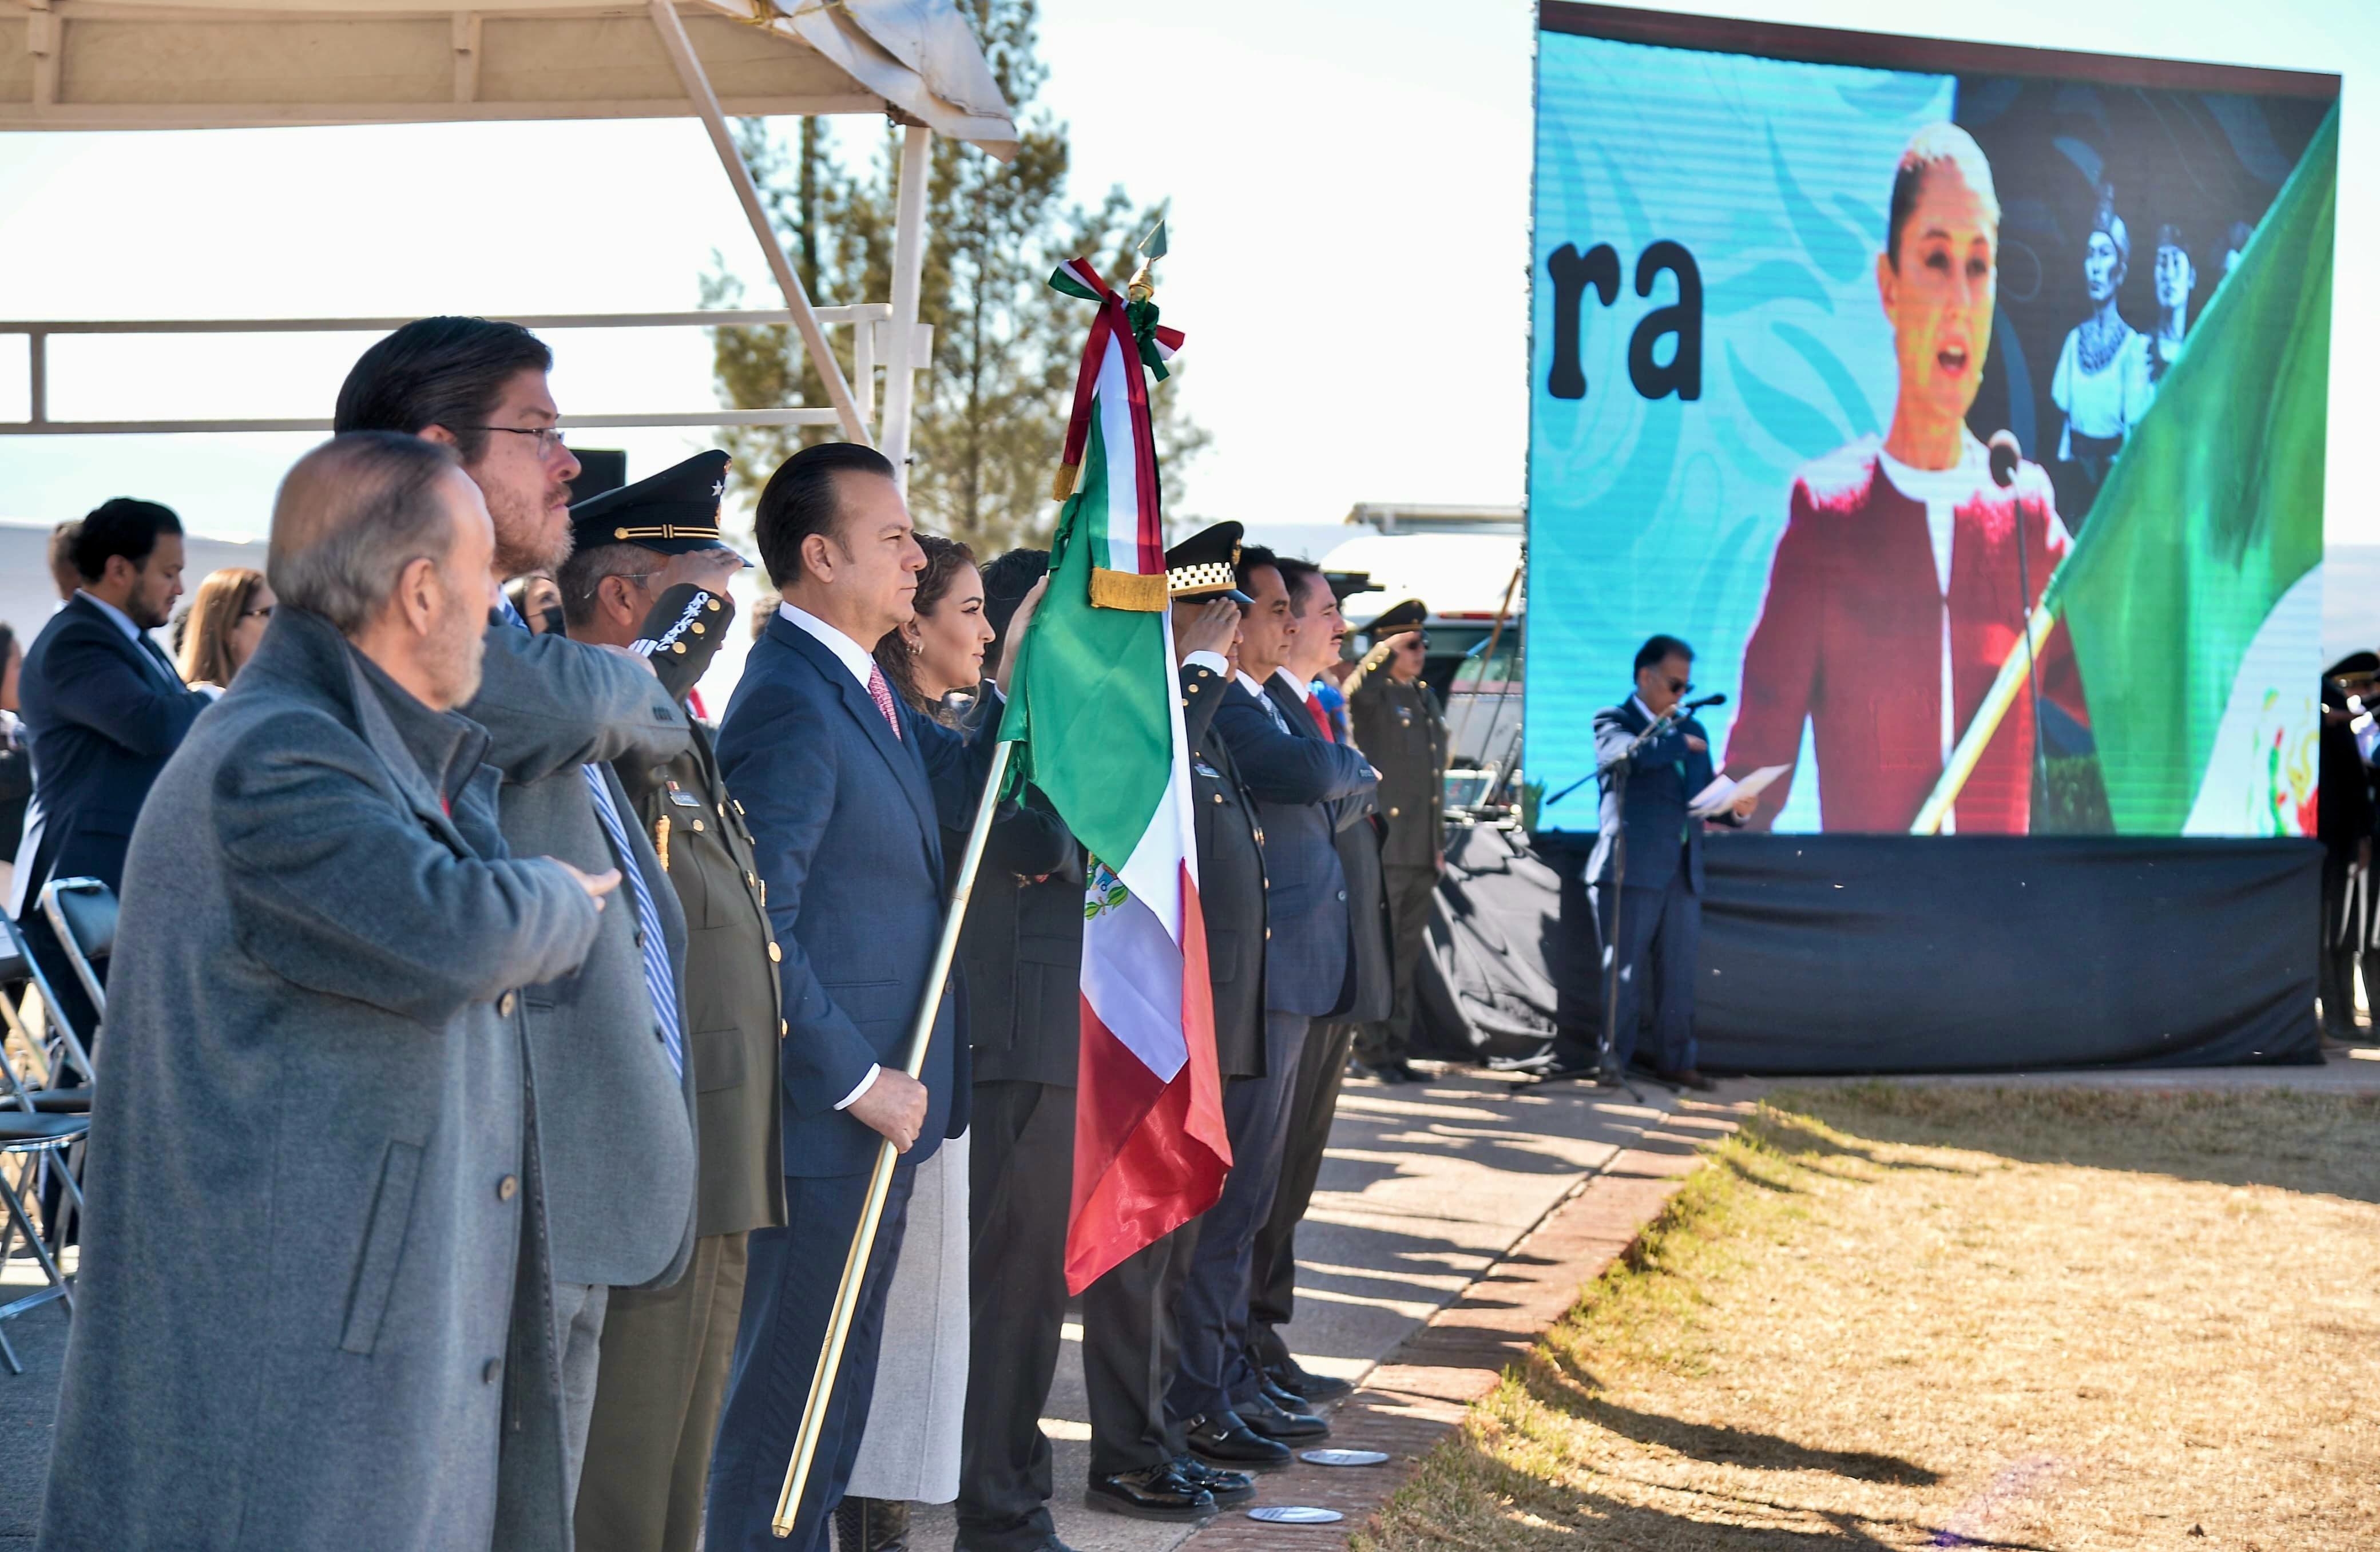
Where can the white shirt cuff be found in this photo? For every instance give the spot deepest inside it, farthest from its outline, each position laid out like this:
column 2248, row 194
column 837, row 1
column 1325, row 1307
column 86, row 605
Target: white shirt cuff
column 1213, row 662
column 865, row 1085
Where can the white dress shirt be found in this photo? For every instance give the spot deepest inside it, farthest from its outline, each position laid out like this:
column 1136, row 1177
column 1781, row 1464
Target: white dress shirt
column 1213, row 662
column 861, row 662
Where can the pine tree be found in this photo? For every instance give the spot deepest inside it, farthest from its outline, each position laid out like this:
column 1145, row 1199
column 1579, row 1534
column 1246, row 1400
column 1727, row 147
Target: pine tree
column 991, row 407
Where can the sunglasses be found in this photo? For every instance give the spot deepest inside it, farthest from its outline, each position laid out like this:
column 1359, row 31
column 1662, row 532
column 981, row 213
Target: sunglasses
column 1680, row 686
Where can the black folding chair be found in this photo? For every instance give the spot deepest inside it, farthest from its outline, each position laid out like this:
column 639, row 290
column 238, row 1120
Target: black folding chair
column 60, row 1052
column 82, row 912
column 34, row 1139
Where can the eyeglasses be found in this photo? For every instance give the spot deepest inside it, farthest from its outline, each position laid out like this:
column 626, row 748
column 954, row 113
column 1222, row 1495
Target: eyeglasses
column 549, row 438
column 263, row 613
column 1680, row 686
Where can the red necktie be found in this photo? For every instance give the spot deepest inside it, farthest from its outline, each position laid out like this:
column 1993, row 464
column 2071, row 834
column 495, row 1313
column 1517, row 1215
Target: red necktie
column 881, row 693
column 1321, row 718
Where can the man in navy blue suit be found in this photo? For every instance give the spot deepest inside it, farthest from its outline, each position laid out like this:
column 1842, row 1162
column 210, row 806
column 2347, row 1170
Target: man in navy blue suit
column 1307, row 789
column 1658, row 904
column 104, row 709
column 847, row 793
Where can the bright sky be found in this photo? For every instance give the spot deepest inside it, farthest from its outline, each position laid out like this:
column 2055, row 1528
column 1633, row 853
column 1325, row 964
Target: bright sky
column 1350, row 186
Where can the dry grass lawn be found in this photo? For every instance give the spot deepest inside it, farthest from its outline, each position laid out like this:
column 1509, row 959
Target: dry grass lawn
column 1900, row 1317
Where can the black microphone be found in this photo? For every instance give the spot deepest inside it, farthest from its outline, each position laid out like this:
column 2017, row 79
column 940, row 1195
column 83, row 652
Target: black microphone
column 2005, row 456
column 1706, row 700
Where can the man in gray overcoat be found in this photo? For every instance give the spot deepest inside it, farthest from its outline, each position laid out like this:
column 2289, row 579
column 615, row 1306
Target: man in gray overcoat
column 315, row 1309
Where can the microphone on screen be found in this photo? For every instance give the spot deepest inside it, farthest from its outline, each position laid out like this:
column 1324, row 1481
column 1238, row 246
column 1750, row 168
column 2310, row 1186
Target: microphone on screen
column 2005, row 455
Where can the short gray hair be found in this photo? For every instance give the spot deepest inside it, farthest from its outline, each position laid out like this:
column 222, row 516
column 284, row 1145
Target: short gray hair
column 581, row 574
column 351, row 516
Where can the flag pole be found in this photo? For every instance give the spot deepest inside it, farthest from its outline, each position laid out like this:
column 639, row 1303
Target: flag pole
column 2015, row 673
column 862, row 1237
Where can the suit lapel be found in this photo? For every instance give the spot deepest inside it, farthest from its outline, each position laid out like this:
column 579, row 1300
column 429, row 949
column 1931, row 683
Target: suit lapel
column 900, row 754
column 147, row 654
column 1293, row 710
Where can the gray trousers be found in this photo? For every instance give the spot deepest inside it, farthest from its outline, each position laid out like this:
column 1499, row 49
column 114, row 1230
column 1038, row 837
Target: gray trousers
column 578, row 1314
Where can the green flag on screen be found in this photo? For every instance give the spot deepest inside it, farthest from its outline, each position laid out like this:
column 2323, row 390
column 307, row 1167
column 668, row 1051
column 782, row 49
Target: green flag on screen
column 2212, row 513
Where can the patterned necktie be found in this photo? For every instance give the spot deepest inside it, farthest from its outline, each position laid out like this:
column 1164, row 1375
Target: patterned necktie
column 661, row 985
column 881, row 693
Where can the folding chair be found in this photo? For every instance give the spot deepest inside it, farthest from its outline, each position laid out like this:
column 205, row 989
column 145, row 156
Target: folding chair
column 31, row 1137
column 62, row 1051
column 82, row 913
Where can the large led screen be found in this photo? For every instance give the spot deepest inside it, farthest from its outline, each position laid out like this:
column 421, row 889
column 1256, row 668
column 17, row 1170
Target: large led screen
column 1964, row 408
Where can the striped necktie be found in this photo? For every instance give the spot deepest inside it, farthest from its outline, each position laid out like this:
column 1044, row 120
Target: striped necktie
column 661, row 985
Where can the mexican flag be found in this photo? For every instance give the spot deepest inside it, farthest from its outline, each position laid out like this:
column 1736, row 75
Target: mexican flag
column 1096, row 708
column 2213, row 512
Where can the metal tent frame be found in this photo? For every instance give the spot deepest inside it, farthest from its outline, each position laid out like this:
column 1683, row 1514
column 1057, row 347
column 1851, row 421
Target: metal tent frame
column 222, row 63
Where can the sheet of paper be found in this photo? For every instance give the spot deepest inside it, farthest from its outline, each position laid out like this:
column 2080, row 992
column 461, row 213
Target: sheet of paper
column 1725, row 790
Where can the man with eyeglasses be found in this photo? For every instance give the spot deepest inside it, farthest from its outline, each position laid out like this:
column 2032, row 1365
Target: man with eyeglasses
column 615, row 1094
column 1657, row 913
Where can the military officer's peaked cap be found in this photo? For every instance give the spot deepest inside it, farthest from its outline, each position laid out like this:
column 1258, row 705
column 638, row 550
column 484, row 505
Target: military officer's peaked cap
column 670, row 513
column 1412, row 614
column 1200, row 567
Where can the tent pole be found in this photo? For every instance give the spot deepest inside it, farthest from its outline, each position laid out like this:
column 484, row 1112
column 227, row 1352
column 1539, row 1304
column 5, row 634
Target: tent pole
column 908, row 266
column 797, row 298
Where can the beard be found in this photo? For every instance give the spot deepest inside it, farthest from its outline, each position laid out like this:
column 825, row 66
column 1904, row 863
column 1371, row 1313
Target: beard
column 148, row 607
column 527, row 536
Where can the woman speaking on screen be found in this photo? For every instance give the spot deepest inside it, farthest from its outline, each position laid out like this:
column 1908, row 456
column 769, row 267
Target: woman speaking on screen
column 1894, row 594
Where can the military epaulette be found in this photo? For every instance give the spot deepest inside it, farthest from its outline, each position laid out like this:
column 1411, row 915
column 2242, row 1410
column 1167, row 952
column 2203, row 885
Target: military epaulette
column 680, row 635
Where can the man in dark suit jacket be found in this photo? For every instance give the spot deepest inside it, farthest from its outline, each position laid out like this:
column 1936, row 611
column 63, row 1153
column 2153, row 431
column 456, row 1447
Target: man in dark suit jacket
column 666, row 1350
column 1366, row 999
column 104, row 708
column 615, row 1091
column 1657, row 912
column 847, row 791
column 1308, row 790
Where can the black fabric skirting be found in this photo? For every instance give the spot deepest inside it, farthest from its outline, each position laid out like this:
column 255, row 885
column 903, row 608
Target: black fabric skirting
column 1886, row 953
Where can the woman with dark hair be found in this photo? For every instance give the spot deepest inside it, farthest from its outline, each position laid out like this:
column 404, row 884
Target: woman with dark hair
column 910, row 1450
column 2102, row 377
column 939, row 652
column 228, row 618
column 2176, row 278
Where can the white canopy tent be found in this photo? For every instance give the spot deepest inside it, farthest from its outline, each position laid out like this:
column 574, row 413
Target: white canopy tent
column 234, row 64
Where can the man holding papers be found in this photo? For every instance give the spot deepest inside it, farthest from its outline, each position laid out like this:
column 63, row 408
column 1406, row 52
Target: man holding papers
column 1652, row 907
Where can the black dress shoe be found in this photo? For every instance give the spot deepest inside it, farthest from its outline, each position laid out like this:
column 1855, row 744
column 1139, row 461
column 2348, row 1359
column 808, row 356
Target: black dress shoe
column 1395, row 1072
column 1276, row 1422
column 1223, row 1439
column 1228, row 1486
column 1152, row 1492
column 1687, row 1077
column 1307, row 1386
column 871, row 1525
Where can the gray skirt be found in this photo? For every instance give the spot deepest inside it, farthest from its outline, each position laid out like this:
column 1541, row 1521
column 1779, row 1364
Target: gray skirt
column 911, row 1449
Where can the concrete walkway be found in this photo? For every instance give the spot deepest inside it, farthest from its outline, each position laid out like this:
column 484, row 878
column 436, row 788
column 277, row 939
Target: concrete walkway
column 1425, row 1191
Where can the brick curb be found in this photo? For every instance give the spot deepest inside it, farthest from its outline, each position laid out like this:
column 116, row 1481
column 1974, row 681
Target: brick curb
column 1418, row 1395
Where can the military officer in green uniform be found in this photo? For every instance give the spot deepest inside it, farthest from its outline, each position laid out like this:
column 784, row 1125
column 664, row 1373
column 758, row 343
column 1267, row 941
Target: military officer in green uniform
column 1401, row 730
column 648, row 572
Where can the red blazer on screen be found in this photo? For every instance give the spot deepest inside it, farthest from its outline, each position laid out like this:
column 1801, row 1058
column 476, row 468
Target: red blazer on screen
column 1851, row 636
